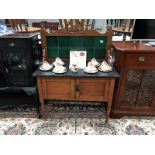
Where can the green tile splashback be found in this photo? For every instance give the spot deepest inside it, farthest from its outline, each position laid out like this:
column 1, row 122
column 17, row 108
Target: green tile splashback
column 52, row 41
column 59, row 46
column 76, row 42
column 63, row 42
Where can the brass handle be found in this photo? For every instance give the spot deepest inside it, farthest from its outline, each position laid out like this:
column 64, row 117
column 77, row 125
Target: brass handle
column 77, row 88
column 141, row 59
column 11, row 44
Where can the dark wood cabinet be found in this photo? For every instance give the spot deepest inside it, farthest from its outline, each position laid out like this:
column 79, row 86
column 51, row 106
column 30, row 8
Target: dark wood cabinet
column 20, row 55
column 135, row 90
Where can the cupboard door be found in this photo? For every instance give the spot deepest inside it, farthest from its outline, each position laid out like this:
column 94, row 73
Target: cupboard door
column 130, row 87
column 139, row 89
column 92, row 89
column 58, row 88
column 146, row 97
column 17, row 69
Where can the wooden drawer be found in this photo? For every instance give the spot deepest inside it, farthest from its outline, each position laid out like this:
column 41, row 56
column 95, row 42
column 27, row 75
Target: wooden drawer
column 58, row 88
column 140, row 59
column 92, row 89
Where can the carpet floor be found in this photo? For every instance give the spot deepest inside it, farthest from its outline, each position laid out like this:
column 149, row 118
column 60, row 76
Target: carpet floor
column 70, row 119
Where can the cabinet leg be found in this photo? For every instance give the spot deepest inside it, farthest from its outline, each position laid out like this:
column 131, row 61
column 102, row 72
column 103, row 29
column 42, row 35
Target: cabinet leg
column 108, row 111
column 35, row 95
column 109, row 103
column 107, row 115
column 43, row 109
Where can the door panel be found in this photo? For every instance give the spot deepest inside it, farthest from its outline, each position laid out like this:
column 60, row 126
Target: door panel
column 58, row 88
column 147, row 89
column 93, row 89
column 131, row 87
column 16, row 67
column 139, row 89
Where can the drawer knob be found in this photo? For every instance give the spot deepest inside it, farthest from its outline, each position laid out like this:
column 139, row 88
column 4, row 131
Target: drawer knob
column 141, row 59
column 11, row 44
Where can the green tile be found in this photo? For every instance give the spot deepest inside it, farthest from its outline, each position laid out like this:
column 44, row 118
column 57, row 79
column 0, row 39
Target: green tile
column 88, row 41
column 100, row 41
column 100, row 53
column 85, row 48
column 52, row 55
column 76, row 42
column 76, row 48
column 52, row 49
column 64, row 41
column 59, row 46
column 64, row 53
column 52, row 41
column 52, row 52
column 90, row 53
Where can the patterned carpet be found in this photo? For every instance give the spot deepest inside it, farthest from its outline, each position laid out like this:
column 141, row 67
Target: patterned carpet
column 66, row 119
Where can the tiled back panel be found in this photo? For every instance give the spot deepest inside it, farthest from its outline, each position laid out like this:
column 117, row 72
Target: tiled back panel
column 60, row 46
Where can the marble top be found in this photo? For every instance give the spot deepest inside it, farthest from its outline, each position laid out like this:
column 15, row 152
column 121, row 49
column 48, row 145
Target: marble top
column 80, row 73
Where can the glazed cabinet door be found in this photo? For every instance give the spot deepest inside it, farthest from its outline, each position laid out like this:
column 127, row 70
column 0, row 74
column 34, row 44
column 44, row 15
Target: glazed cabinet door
column 58, row 88
column 138, row 90
column 146, row 96
column 92, row 89
column 130, row 88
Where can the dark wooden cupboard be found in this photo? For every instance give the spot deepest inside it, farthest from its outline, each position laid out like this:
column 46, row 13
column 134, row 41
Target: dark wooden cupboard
column 19, row 57
column 135, row 90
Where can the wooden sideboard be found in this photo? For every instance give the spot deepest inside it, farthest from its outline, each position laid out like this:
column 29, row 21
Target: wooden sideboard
column 135, row 90
column 76, row 86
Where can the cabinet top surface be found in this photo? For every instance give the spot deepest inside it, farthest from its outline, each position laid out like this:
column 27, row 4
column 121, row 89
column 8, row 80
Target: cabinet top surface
column 20, row 35
column 132, row 47
column 80, row 73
